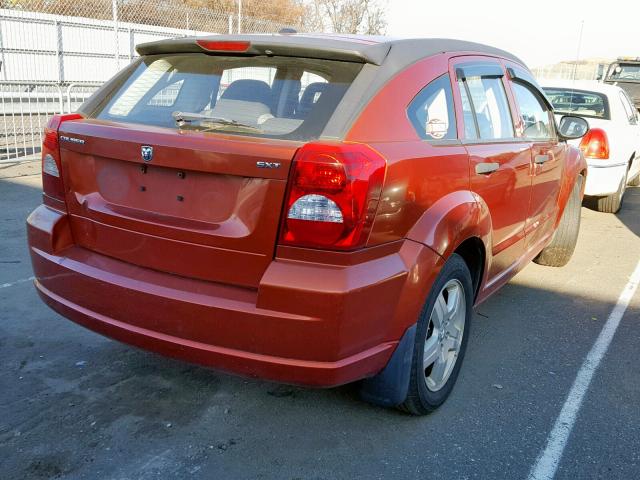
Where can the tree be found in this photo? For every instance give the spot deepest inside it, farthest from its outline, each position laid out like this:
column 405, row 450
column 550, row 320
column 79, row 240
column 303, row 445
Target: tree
column 339, row 16
column 346, row 16
column 206, row 15
column 281, row 11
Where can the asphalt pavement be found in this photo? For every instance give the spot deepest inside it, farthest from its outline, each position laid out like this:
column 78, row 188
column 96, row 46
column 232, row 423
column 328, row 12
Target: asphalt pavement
column 75, row 405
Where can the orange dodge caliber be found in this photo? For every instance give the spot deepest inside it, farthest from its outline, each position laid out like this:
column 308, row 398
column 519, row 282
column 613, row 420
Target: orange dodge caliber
column 308, row 209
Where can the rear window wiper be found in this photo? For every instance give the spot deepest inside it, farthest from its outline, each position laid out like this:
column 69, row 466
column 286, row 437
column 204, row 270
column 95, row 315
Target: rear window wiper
column 192, row 118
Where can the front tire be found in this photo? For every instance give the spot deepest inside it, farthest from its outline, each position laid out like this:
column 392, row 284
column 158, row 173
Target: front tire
column 563, row 243
column 441, row 339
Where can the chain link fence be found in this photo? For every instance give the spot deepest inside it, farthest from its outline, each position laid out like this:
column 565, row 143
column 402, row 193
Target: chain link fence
column 55, row 53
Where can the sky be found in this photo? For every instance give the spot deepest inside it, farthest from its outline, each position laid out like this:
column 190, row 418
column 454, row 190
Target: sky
column 540, row 32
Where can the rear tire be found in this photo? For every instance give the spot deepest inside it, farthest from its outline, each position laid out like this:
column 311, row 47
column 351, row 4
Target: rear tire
column 560, row 250
column 613, row 202
column 431, row 381
column 635, row 182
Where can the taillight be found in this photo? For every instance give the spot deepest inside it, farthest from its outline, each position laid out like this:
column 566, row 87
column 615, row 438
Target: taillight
column 51, row 177
column 224, row 46
column 333, row 196
column 595, row 144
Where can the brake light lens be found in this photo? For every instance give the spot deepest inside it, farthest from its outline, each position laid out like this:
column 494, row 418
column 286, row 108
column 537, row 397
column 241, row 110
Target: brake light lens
column 223, row 46
column 595, row 144
column 333, row 195
column 52, row 185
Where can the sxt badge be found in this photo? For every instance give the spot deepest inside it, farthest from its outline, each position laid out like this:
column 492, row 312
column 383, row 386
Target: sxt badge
column 268, row 164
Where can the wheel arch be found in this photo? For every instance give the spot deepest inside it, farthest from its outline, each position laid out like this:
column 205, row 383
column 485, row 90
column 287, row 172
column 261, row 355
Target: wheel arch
column 460, row 223
column 473, row 252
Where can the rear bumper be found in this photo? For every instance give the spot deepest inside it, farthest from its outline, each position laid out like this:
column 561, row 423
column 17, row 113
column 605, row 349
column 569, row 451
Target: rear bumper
column 604, row 177
column 307, row 323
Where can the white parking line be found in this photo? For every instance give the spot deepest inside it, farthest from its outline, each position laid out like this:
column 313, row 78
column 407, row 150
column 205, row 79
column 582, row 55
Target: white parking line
column 548, row 461
column 11, row 284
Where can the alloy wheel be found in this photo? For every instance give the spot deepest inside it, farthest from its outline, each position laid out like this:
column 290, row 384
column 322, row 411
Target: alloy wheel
column 444, row 335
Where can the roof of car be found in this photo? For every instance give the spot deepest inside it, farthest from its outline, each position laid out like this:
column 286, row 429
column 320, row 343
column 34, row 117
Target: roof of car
column 360, row 48
column 586, row 85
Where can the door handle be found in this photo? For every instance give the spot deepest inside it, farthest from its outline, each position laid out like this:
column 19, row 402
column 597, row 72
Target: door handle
column 486, row 168
column 540, row 159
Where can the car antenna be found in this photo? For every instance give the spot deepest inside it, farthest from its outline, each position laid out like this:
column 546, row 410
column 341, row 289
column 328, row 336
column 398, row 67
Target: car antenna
column 575, row 65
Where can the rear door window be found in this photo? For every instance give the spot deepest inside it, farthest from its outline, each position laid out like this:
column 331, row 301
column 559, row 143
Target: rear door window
column 470, row 130
column 282, row 97
column 535, row 115
column 489, row 108
column 629, row 109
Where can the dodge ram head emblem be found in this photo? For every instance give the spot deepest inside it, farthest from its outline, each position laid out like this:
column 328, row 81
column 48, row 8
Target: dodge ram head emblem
column 147, row 153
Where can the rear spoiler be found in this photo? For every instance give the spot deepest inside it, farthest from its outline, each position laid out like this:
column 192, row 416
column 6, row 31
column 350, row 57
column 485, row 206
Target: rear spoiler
column 307, row 46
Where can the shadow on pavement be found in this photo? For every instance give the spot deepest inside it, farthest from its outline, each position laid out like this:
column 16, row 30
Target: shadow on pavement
column 629, row 213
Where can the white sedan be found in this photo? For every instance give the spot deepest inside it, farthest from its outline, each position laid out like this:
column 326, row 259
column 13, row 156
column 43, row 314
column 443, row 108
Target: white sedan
column 612, row 145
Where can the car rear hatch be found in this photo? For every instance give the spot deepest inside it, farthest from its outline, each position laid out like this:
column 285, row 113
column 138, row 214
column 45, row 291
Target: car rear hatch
column 194, row 196
column 199, row 208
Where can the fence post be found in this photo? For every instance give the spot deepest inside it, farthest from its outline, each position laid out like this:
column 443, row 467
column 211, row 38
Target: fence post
column 132, row 46
column 60, row 99
column 114, row 12
column 230, row 24
column 3, row 63
column 59, row 57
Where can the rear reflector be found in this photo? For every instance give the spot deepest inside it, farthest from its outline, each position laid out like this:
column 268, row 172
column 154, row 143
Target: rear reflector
column 333, row 196
column 223, row 46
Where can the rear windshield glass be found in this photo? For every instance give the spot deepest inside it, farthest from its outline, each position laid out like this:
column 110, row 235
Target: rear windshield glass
column 283, row 97
column 578, row 102
column 626, row 73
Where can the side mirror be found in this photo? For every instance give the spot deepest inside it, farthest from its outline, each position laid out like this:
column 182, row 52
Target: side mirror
column 572, row 127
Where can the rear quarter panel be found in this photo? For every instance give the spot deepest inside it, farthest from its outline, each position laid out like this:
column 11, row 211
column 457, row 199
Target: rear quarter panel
column 419, row 173
column 426, row 195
